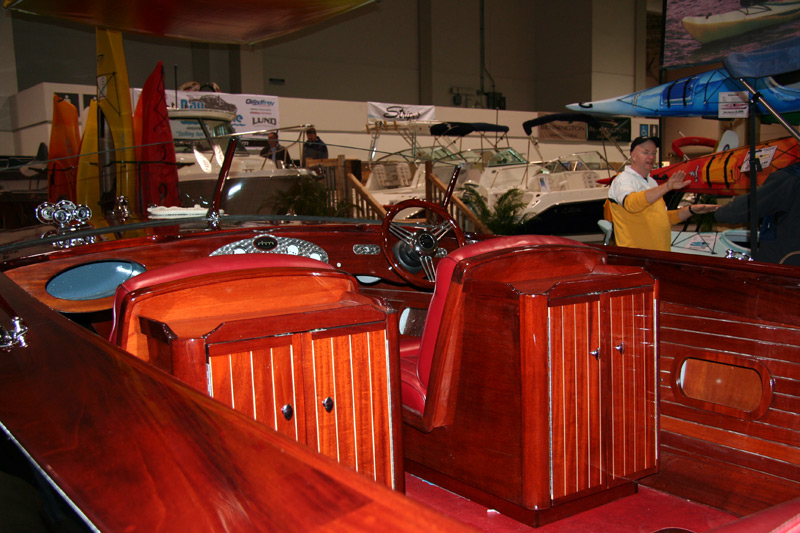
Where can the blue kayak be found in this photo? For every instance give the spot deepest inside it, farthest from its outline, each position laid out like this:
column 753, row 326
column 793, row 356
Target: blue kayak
column 696, row 95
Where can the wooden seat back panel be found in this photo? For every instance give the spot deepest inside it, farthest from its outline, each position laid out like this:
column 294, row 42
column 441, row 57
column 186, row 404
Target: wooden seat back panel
column 186, row 302
column 504, row 260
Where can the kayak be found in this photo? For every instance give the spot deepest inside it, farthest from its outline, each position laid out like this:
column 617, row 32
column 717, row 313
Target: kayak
column 708, row 28
column 697, row 95
column 727, row 173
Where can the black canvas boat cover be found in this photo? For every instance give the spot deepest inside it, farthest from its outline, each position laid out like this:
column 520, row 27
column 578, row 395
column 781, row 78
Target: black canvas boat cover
column 462, row 129
column 528, row 125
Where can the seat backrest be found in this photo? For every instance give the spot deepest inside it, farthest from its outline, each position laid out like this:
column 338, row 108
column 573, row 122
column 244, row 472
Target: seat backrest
column 379, row 177
column 444, row 275
column 607, row 227
column 200, row 267
column 404, row 174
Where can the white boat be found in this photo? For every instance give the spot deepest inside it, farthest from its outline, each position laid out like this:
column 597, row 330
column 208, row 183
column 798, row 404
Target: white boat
column 566, row 195
column 200, row 137
column 401, row 175
column 562, row 196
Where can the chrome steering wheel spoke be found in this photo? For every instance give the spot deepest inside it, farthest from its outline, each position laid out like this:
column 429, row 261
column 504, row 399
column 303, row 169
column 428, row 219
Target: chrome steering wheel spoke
column 428, row 267
column 441, row 230
column 402, row 233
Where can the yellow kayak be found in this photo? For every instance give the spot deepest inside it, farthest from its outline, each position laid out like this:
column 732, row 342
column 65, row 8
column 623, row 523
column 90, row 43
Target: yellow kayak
column 706, row 29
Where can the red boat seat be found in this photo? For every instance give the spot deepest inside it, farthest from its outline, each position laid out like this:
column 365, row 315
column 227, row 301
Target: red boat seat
column 417, row 353
column 205, row 266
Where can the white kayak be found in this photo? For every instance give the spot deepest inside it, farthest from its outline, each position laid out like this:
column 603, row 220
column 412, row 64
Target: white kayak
column 715, row 27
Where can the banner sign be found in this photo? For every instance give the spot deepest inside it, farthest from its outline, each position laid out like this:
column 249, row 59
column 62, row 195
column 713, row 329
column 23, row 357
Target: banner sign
column 562, row 131
column 377, row 111
column 252, row 112
column 619, row 129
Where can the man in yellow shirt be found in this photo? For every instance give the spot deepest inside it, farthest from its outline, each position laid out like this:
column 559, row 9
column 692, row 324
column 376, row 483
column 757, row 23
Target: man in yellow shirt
column 640, row 216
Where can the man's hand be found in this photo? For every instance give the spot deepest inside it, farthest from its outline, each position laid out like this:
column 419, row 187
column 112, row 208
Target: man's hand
column 677, row 181
column 700, row 209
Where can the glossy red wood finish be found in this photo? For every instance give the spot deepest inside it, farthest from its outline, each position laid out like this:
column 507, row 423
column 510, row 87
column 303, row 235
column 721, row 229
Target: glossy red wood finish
column 158, row 250
column 275, row 343
column 747, row 314
column 708, row 308
column 531, row 423
column 135, row 449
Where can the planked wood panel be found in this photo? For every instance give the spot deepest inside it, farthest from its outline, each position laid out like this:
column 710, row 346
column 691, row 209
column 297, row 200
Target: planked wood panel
column 603, row 379
column 710, row 334
column 258, row 379
column 743, row 462
column 634, row 447
column 349, row 365
column 576, row 463
column 725, row 454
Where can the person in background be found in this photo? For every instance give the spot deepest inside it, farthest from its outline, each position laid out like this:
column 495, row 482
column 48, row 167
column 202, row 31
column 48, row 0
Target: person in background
column 275, row 151
column 638, row 210
column 314, row 148
column 778, row 207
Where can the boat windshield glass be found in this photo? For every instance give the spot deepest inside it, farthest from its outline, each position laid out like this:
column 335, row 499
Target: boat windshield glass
column 195, row 133
column 420, row 153
column 577, row 162
column 506, row 156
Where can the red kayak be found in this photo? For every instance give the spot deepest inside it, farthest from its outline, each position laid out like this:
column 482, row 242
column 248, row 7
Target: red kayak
column 155, row 152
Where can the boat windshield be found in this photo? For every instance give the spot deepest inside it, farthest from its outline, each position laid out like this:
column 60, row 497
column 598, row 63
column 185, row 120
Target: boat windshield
column 191, row 133
column 506, row 156
column 419, row 153
column 243, row 201
column 577, row 162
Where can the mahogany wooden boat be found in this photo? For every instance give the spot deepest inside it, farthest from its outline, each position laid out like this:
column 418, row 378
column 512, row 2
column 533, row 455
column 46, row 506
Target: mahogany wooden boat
column 211, row 370
column 231, row 371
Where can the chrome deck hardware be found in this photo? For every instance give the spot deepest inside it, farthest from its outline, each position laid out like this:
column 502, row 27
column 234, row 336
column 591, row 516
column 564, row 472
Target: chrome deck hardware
column 14, row 336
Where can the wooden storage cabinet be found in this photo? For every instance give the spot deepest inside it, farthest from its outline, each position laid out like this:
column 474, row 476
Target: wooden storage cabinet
column 590, row 368
column 327, row 382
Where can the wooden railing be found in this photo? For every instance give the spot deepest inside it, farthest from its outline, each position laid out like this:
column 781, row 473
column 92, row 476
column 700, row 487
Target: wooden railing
column 345, row 189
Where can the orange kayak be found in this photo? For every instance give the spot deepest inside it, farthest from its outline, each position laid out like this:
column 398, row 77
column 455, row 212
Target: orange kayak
column 727, row 173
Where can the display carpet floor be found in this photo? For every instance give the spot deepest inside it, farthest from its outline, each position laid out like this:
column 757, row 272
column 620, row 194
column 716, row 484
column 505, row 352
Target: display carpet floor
column 647, row 511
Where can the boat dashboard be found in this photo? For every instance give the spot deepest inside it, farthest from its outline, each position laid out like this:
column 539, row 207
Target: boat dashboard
column 83, row 279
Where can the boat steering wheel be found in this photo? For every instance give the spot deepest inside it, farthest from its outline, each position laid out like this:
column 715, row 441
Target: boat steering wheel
column 412, row 255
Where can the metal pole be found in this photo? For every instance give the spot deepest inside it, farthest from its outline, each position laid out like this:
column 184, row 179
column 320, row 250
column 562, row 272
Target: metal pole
column 482, row 52
column 755, row 166
column 755, row 97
